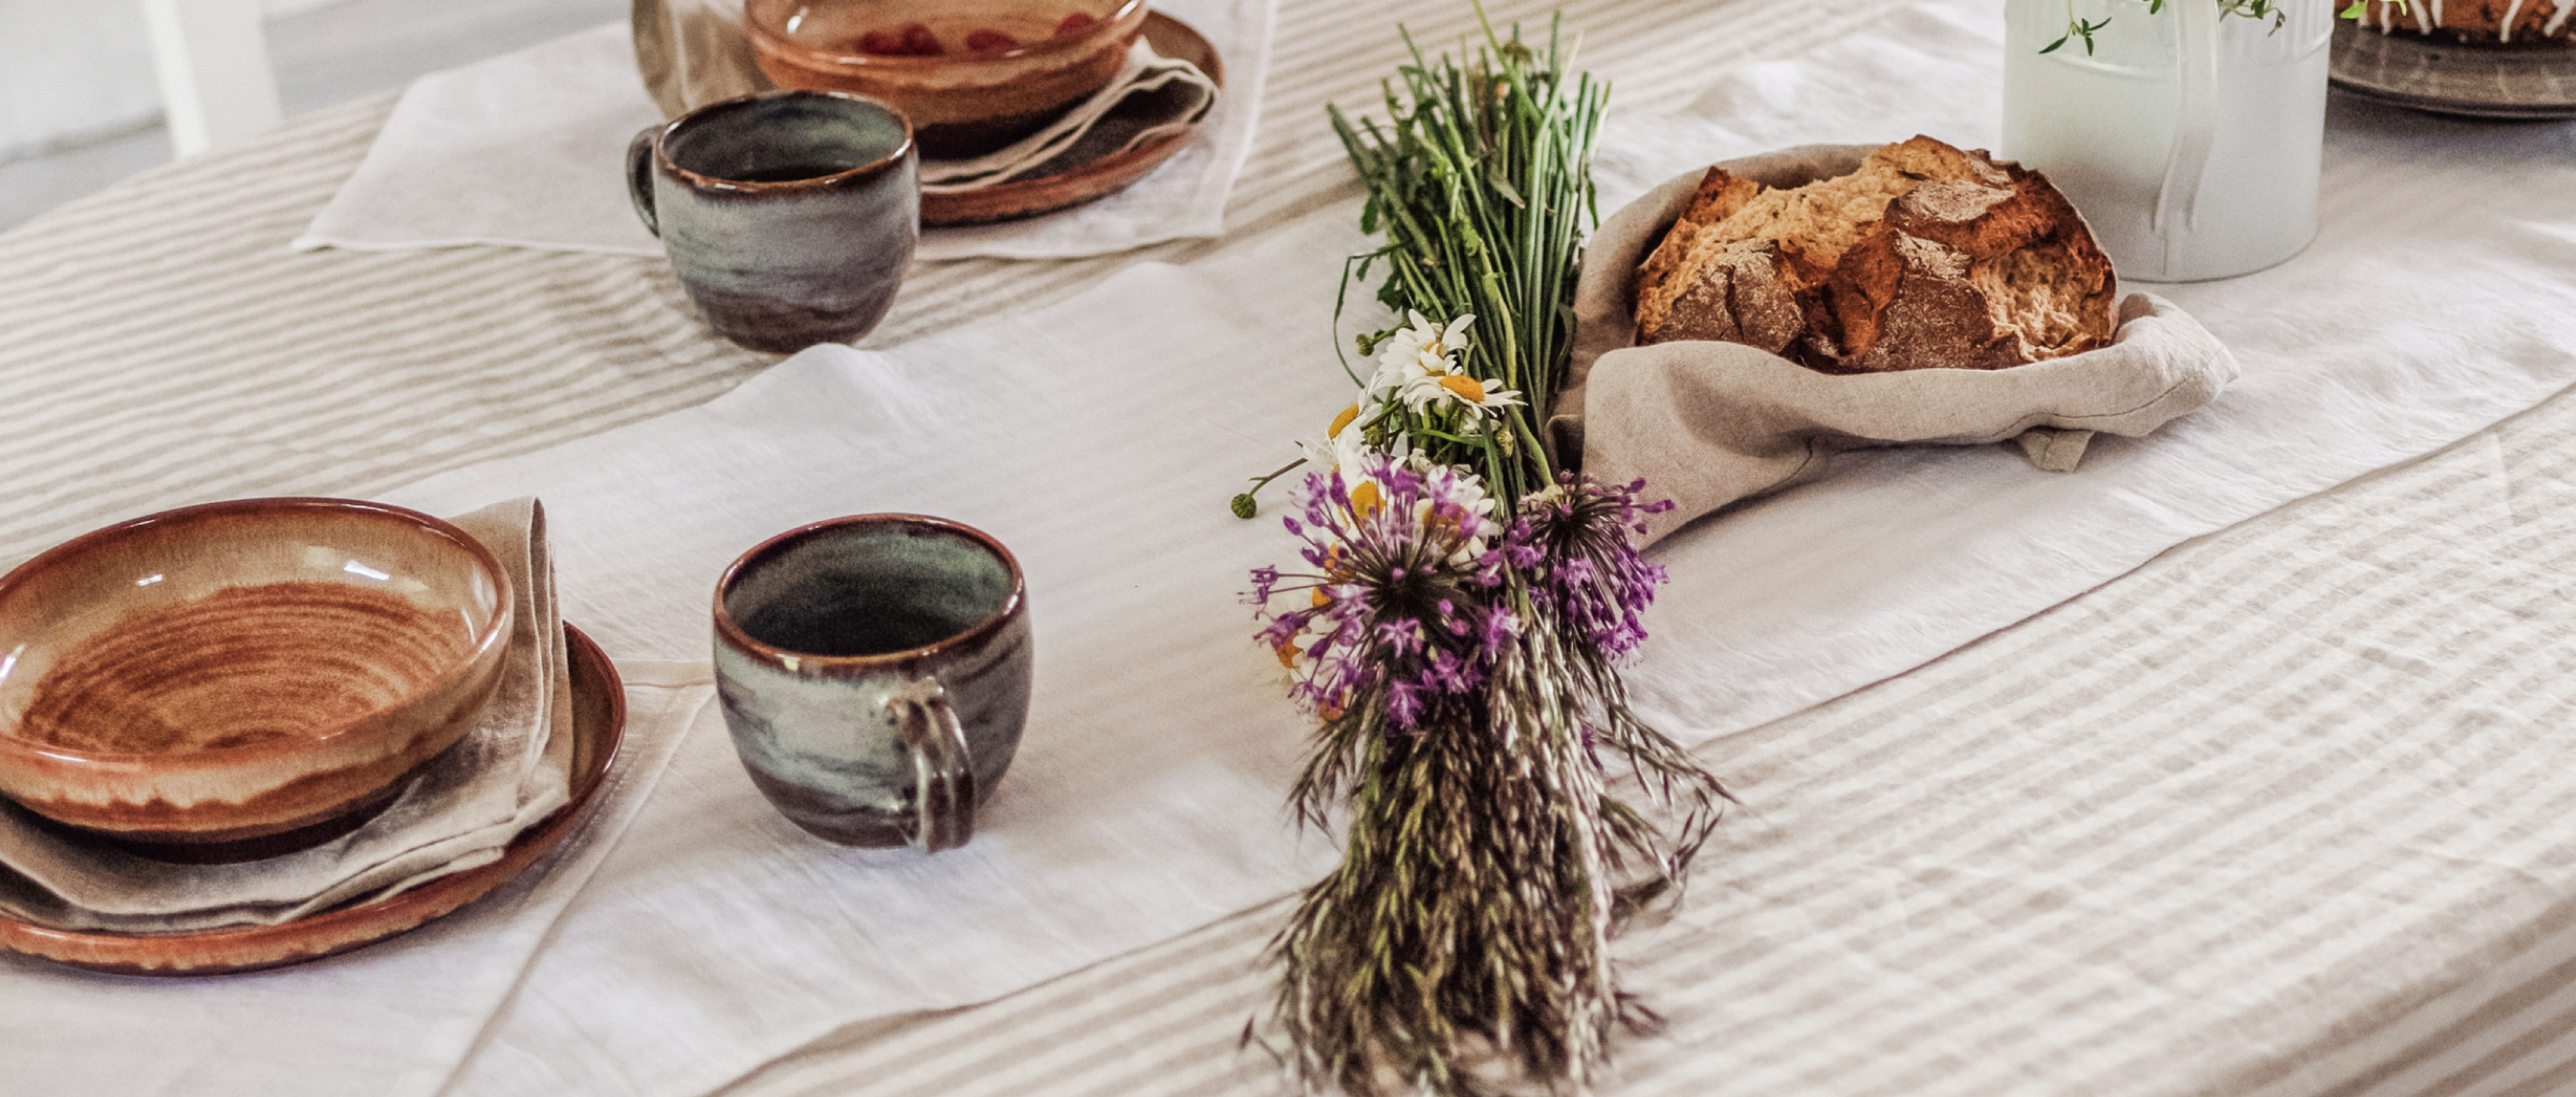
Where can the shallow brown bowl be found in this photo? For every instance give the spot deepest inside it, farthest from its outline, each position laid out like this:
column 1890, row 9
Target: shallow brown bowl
column 1004, row 68
column 236, row 670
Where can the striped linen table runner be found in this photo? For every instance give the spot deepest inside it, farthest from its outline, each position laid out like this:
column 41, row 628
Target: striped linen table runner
column 2318, row 848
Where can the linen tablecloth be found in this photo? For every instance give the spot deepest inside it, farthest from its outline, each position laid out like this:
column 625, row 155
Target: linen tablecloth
column 2274, row 811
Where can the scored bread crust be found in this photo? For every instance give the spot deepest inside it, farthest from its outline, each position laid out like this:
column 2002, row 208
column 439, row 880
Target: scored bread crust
column 2483, row 21
column 1925, row 257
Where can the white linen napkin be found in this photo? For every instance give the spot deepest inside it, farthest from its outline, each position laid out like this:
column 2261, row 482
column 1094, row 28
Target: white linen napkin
column 528, row 150
column 511, row 770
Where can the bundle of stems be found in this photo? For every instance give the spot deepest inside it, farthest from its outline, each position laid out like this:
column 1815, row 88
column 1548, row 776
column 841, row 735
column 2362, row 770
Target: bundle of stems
column 1464, row 939
column 1481, row 180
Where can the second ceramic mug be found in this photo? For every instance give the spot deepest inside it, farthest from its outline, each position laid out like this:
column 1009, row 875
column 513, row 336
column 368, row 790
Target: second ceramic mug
column 874, row 672
column 790, row 216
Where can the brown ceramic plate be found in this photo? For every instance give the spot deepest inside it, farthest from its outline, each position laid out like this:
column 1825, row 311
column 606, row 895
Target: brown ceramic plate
column 599, row 726
column 1030, row 196
column 2533, row 81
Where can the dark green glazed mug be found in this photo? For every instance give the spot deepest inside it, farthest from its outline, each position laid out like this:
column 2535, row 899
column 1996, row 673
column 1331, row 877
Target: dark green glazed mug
column 874, row 672
column 789, row 216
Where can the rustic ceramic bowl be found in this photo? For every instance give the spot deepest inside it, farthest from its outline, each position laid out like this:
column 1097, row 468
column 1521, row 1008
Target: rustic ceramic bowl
column 971, row 74
column 238, row 671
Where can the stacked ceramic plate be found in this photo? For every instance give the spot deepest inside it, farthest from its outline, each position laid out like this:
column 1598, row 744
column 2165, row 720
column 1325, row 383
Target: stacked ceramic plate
column 257, row 732
column 1020, row 107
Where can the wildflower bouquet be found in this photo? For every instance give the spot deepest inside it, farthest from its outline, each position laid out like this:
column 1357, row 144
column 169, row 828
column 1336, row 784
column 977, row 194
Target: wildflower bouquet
column 1459, row 619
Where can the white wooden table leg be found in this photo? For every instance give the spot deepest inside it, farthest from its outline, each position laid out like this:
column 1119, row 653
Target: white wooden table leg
column 215, row 79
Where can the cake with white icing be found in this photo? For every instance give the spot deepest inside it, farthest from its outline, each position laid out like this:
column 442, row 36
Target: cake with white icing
column 2485, row 21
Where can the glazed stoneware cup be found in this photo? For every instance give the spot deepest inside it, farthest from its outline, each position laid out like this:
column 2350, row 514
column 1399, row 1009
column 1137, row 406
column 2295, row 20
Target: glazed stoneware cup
column 238, row 672
column 789, row 216
column 874, row 672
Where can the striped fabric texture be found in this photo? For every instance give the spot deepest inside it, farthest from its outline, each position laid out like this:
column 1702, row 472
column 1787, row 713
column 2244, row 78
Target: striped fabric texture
column 161, row 345
column 2284, row 812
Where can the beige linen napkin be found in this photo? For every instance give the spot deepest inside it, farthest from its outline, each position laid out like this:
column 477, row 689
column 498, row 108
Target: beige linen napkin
column 693, row 52
column 1708, row 423
column 1152, row 95
column 513, row 769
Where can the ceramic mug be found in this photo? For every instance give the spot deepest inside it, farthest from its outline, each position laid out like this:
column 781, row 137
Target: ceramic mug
column 874, row 672
column 790, row 216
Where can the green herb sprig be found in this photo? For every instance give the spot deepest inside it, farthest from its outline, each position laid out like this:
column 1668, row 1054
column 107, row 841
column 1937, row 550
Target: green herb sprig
column 2269, row 10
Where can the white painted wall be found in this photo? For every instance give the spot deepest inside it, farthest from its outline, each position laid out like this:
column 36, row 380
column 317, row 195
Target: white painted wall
column 74, row 71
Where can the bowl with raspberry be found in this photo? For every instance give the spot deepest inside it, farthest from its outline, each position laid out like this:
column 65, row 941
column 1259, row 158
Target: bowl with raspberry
column 973, row 75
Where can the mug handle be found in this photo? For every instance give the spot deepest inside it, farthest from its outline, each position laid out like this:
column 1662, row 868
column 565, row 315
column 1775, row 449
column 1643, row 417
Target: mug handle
column 639, row 177
column 943, row 797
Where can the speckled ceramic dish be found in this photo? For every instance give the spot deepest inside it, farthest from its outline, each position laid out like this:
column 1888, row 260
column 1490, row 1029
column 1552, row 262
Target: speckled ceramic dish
column 237, row 670
column 599, row 727
column 1073, row 185
column 968, row 73
column 2523, row 81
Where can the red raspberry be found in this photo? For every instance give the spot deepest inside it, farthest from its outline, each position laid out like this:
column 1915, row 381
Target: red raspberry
column 918, row 42
column 990, row 41
column 881, row 44
column 1073, row 24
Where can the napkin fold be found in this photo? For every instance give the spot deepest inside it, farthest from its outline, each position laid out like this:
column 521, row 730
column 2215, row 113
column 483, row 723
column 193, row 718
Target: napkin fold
column 1152, row 95
column 1709, row 423
column 510, row 771
column 528, row 149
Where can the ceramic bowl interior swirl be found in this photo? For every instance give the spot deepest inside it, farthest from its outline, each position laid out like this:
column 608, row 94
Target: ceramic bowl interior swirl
column 241, row 670
column 972, row 75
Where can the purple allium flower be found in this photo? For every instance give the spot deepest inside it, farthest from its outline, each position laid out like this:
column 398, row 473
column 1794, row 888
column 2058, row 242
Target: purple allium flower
column 1402, row 601
column 1582, row 536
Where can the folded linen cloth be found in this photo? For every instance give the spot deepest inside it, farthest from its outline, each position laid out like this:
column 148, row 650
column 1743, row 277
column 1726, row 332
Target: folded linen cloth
column 692, row 53
column 525, row 150
column 1709, row 423
column 513, row 769
column 1152, row 95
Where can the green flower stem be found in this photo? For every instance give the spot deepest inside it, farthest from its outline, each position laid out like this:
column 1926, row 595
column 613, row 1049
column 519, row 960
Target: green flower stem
column 1245, row 506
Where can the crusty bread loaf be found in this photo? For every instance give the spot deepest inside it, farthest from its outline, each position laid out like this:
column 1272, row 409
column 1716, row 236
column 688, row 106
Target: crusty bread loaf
column 1926, row 257
column 2484, row 21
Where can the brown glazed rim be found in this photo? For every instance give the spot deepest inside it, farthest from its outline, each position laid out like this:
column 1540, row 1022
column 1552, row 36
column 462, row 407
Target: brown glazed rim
column 776, row 41
column 334, row 931
column 662, row 156
column 495, row 632
column 733, row 636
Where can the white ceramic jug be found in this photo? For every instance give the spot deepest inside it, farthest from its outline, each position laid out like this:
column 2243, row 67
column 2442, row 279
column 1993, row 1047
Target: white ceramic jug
column 2189, row 139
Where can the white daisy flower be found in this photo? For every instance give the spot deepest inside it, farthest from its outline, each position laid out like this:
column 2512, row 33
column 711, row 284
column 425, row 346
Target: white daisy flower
column 1480, row 398
column 1345, row 442
column 1421, row 349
